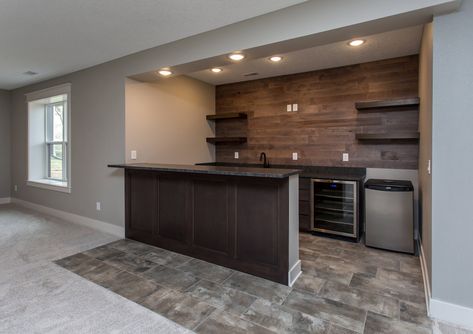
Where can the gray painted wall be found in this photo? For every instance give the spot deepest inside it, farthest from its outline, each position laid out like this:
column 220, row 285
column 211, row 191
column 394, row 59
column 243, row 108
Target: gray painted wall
column 98, row 93
column 452, row 176
column 425, row 145
column 4, row 144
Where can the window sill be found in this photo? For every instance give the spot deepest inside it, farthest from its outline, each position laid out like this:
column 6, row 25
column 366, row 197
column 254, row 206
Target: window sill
column 50, row 185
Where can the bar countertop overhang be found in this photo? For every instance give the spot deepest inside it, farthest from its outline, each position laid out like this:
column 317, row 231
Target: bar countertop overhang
column 275, row 173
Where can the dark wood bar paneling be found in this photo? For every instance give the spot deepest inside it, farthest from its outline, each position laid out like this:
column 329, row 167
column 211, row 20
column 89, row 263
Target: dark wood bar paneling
column 256, row 224
column 140, row 206
column 234, row 221
column 211, row 222
column 326, row 124
column 173, row 208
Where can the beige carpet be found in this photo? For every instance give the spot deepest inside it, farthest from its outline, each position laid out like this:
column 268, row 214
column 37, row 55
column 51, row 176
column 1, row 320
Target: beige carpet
column 37, row 296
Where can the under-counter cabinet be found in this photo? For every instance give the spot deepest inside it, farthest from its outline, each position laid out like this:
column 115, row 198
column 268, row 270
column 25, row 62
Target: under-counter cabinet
column 304, row 204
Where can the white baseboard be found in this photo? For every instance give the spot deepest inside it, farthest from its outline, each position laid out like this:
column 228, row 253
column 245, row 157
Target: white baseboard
column 446, row 312
column 73, row 218
column 5, row 200
column 451, row 313
column 425, row 276
column 294, row 273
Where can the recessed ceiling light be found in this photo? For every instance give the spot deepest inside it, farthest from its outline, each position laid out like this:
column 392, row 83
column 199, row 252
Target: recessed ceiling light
column 275, row 59
column 356, row 42
column 165, row 73
column 216, row 70
column 236, row 56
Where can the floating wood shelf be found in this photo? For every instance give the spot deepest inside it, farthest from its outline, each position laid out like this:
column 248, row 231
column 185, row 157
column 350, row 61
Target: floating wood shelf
column 388, row 136
column 226, row 140
column 388, row 105
column 235, row 115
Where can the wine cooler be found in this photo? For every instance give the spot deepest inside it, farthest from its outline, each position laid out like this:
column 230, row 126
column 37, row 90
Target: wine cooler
column 334, row 208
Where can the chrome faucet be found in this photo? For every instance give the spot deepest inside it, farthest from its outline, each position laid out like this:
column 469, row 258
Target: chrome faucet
column 262, row 157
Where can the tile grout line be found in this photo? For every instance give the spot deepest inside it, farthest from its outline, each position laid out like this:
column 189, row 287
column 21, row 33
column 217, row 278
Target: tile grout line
column 205, row 318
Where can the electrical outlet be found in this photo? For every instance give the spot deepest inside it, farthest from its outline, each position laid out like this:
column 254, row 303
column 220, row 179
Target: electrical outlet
column 294, row 156
column 15, row 187
column 98, row 206
column 289, row 108
column 133, row 155
column 345, row 157
column 237, row 155
column 295, row 107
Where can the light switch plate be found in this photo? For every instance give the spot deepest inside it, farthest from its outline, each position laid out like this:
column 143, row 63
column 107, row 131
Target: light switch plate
column 98, row 206
column 15, row 187
column 429, row 167
column 345, row 157
column 295, row 107
column 237, row 155
column 133, row 155
column 294, row 156
column 289, row 108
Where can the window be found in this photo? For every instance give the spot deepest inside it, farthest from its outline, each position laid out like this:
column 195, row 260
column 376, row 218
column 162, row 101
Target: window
column 56, row 143
column 48, row 138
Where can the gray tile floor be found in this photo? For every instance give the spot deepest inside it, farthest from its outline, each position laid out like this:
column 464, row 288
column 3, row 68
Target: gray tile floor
column 344, row 288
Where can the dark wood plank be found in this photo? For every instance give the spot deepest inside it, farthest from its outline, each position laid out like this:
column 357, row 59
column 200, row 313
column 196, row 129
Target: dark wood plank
column 388, row 136
column 387, row 104
column 234, row 115
column 226, row 140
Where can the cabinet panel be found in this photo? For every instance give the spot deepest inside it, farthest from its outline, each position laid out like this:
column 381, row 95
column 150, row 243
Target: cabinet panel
column 257, row 222
column 304, row 223
column 210, row 215
column 304, row 194
column 304, row 207
column 142, row 202
column 173, row 207
column 304, row 183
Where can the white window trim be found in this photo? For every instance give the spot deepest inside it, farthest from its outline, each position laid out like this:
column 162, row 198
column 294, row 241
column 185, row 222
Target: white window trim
column 49, row 184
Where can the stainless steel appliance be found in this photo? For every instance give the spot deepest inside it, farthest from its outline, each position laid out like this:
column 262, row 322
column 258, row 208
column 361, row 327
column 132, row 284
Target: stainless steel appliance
column 334, row 207
column 390, row 215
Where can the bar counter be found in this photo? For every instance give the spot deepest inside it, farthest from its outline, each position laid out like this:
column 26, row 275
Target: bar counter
column 242, row 218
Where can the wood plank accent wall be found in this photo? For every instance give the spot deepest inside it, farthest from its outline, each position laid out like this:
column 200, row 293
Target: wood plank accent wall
column 327, row 121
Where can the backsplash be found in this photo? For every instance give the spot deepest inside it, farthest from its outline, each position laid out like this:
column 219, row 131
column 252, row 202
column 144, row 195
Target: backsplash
column 326, row 122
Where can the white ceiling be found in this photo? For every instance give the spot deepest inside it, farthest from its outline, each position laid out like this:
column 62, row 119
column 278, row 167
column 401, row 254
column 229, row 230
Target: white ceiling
column 55, row 37
column 385, row 45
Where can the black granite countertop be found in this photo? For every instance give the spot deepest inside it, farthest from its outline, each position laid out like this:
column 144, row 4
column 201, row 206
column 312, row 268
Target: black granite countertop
column 250, row 171
column 321, row 172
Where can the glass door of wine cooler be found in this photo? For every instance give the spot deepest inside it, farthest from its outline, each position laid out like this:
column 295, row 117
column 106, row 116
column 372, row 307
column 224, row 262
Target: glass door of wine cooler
column 334, row 207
